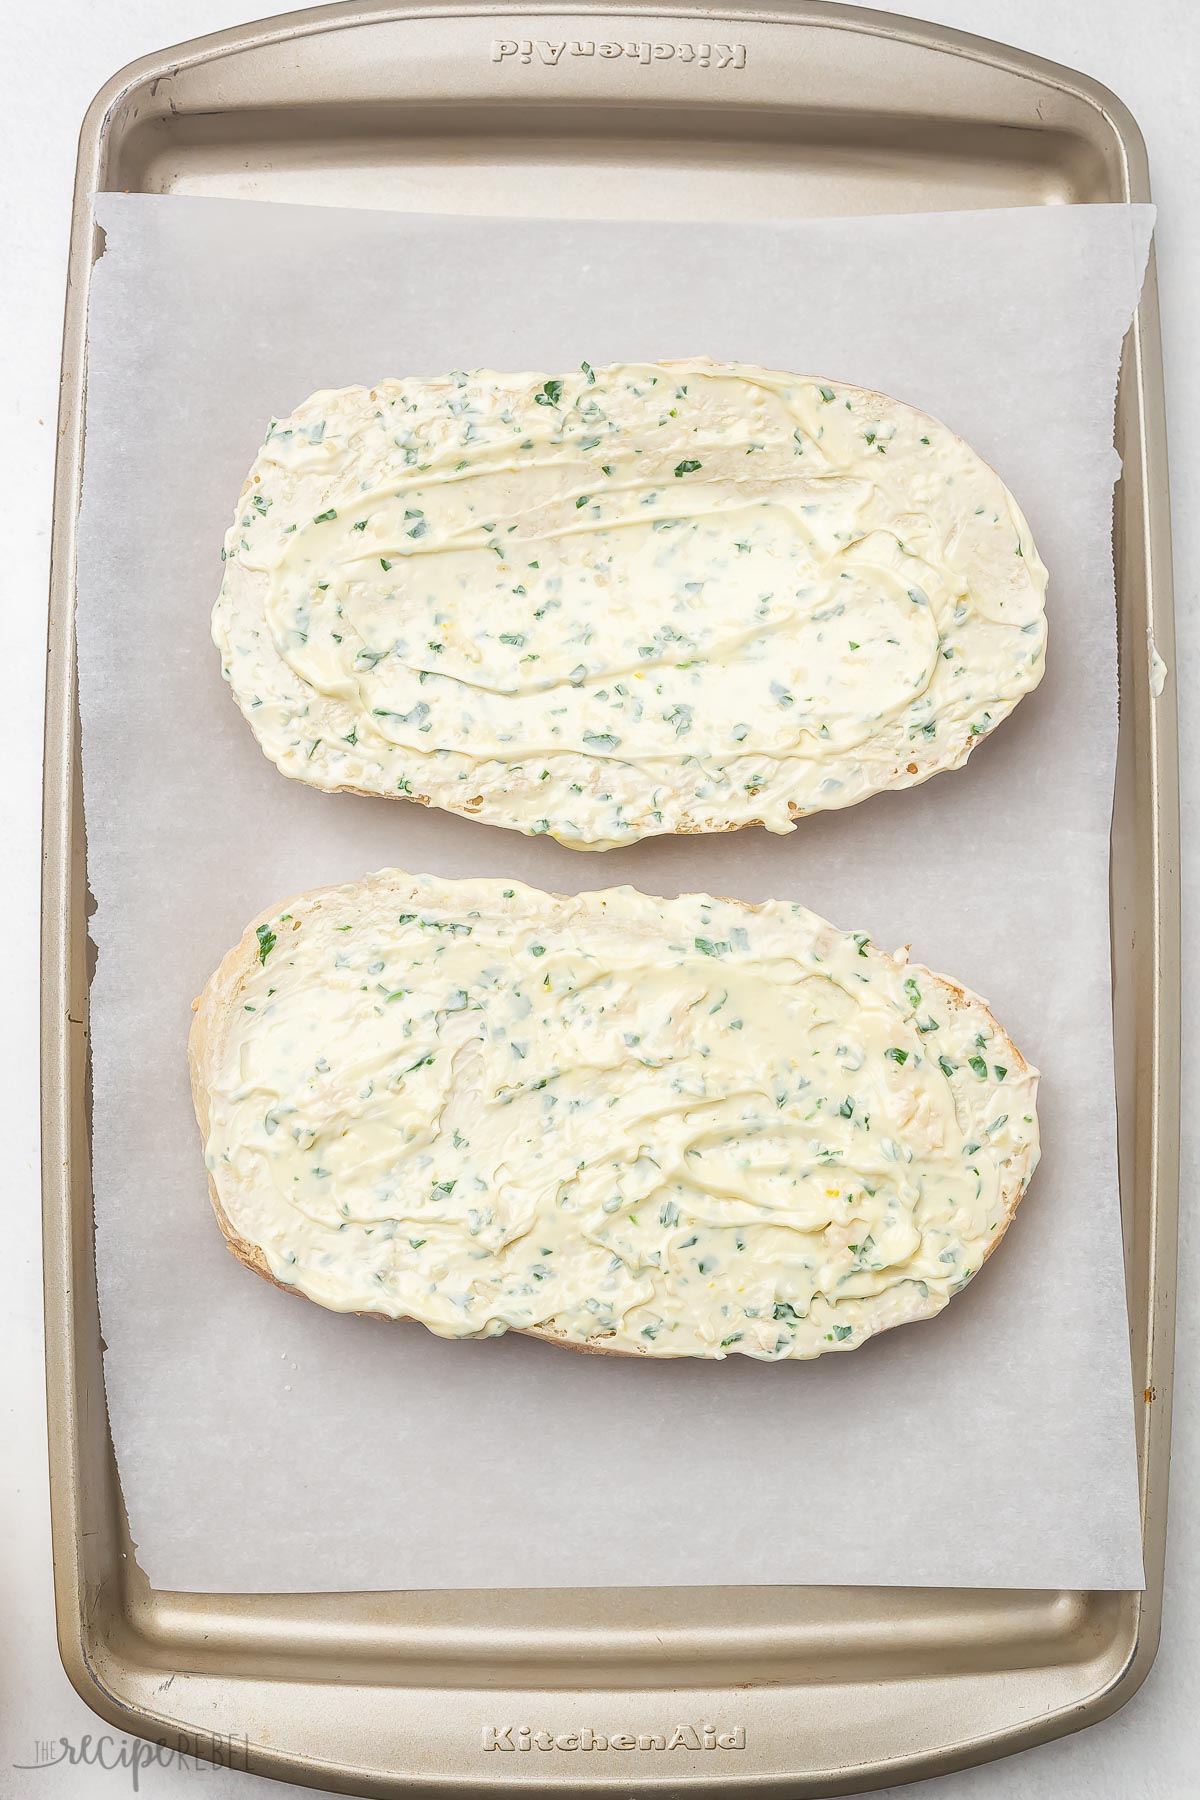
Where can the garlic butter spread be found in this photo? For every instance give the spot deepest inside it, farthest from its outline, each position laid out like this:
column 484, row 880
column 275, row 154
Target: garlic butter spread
column 677, row 1127
column 651, row 598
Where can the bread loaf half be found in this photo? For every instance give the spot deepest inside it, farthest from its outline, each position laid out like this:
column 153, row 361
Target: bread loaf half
column 684, row 1127
column 657, row 597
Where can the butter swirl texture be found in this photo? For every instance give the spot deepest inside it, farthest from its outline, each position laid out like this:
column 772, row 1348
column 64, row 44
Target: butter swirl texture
column 651, row 598
column 667, row 1127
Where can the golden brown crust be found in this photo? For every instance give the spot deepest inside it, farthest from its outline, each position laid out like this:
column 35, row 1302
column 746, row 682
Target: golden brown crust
column 217, row 1003
column 911, row 776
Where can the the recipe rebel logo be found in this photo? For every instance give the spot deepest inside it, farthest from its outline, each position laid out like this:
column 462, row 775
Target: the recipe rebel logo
column 701, row 56
column 680, row 1737
column 199, row 1753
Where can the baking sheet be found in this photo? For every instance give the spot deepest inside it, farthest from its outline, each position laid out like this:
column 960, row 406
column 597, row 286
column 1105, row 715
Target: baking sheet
column 263, row 1444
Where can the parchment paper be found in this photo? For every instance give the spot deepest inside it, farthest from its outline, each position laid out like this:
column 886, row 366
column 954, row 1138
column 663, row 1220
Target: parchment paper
column 264, row 1444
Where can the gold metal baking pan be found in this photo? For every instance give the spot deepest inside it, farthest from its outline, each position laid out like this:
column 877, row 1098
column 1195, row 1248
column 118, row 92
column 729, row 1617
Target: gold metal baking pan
column 762, row 111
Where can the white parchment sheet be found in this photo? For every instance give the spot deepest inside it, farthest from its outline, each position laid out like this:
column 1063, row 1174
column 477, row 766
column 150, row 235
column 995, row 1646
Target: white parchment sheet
column 264, row 1444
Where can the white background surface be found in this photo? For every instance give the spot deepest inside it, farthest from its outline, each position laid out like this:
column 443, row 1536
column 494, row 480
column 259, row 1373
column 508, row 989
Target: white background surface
column 57, row 54
column 1026, row 1479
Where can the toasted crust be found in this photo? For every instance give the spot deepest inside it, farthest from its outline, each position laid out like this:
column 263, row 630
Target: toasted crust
column 218, row 1002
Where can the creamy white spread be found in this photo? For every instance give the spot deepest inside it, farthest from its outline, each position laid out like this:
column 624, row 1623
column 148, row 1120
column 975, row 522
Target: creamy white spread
column 679, row 1127
column 650, row 598
column 1158, row 668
